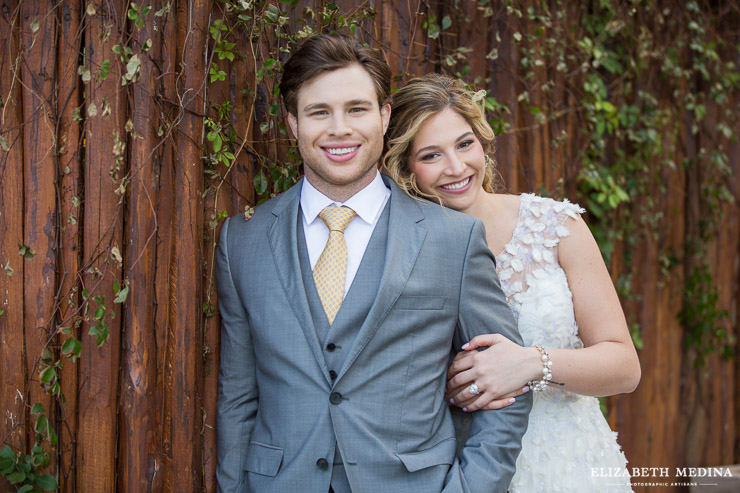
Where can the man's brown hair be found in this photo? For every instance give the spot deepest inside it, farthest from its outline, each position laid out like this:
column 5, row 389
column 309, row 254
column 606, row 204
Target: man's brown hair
column 328, row 52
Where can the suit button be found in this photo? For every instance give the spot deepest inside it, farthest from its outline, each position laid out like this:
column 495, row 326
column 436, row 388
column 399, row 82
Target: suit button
column 322, row 464
column 330, row 347
column 332, row 374
column 335, row 398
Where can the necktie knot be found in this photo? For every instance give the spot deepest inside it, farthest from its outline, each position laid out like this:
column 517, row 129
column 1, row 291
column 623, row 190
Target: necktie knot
column 337, row 218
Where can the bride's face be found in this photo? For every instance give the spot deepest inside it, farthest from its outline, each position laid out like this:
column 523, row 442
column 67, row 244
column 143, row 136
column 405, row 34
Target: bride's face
column 448, row 160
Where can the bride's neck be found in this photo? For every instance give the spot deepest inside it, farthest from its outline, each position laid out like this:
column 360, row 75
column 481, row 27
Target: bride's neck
column 484, row 207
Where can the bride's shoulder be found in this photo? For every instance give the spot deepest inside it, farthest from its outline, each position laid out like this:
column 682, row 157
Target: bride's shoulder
column 547, row 207
column 508, row 203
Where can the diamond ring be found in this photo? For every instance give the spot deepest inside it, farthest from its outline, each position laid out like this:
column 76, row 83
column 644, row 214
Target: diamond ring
column 473, row 389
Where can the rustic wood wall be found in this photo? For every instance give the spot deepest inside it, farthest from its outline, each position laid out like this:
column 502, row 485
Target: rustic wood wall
column 108, row 185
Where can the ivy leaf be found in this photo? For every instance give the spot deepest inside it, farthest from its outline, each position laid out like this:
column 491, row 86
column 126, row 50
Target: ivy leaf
column 116, row 254
column 47, row 482
column 260, row 183
column 133, row 67
column 7, row 460
column 35, row 25
column 53, row 438
column 47, row 376
column 71, row 345
column 26, row 252
column 16, row 477
column 4, row 143
column 122, row 295
column 84, row 72
column 164, row 10
column 8, row 269
column 446, row 22
column 38, row 408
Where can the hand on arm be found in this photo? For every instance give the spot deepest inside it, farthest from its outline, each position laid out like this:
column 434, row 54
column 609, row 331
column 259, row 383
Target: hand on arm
column 501, row 372
column 607, row 365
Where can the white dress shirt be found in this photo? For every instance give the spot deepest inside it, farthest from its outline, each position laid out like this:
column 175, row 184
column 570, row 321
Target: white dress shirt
column 368, row 203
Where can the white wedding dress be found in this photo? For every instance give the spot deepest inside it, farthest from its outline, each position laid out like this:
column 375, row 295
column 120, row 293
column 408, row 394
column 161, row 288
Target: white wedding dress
column 568, row 446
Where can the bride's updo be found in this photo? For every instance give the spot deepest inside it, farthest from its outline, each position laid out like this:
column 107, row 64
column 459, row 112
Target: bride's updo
column 411, row 106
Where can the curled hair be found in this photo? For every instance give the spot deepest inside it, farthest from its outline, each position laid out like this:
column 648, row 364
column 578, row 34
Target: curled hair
column 414, row 104
column 328, row 52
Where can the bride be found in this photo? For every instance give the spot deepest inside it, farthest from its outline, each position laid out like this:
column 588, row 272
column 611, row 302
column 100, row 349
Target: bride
column 568, row 313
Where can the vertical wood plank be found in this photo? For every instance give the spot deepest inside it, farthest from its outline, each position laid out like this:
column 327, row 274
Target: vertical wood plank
column 69, row 169
column 102, row 230
column 138, row 449
column 38, row 38
column 169, row 113
column 185, row 360
column 12, row 365
column 504, row 89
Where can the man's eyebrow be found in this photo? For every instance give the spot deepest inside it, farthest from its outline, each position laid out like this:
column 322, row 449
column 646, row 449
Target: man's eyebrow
column 359, row 102
column 323, row 106
column 315, row 106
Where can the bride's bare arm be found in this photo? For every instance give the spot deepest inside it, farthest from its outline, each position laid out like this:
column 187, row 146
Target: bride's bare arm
column 607, row 365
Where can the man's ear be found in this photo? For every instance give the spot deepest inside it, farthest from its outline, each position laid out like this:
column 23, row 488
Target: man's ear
column 385, row 116
column 293, row 124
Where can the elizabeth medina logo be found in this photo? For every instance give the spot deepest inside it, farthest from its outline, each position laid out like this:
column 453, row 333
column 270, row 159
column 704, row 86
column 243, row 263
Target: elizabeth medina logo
column 661, row 476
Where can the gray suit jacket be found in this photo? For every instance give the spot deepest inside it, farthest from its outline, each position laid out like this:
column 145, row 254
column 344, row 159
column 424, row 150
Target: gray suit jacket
column 280, row 415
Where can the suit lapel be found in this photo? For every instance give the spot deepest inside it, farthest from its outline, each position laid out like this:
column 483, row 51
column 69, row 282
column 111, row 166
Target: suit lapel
column 405, row 237
column 283, row 237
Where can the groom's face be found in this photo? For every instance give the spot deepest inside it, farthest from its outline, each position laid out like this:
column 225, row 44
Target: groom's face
column 339, row 126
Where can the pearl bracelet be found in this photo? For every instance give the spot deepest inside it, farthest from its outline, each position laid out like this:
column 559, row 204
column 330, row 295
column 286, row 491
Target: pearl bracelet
column 539, row 385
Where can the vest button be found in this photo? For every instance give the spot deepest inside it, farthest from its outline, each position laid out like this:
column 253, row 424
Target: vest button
column 332, row 374
column 330, row 347
column 322, row 464
column 335, row 398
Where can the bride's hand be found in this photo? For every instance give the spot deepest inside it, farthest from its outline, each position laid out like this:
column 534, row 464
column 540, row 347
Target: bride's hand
column 507, row 400
column 501, row 372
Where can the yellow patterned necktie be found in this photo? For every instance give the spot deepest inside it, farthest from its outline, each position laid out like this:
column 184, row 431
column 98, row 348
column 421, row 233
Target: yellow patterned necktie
column 331, row 269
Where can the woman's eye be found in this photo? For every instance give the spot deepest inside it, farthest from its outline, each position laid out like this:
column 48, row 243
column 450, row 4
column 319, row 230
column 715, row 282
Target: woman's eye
column 357, row 110
column 430, row 156
column 465, row 144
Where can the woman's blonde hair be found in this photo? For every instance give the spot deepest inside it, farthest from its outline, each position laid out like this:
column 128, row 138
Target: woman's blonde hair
column 411, row 106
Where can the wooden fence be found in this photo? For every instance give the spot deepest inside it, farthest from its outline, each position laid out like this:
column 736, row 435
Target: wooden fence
column 112, row 192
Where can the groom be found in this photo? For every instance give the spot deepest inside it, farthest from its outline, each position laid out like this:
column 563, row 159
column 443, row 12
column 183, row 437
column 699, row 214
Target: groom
column 341, row 300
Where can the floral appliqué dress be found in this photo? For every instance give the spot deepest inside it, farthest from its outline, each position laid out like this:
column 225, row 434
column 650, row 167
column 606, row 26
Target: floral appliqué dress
column 568, row 446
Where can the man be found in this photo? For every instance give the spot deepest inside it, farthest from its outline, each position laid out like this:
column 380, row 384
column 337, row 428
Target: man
column 335, row 344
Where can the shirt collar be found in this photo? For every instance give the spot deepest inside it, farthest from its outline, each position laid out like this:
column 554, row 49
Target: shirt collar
column 367, row 203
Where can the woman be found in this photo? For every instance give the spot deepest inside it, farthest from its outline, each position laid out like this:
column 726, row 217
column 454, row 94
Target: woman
column 556, row 283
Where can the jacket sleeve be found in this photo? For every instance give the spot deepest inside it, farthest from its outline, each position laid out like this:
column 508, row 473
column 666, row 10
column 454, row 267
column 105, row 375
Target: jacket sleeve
column 489, row 455
column 237, row 388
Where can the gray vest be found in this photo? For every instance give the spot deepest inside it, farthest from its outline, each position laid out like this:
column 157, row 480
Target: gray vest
column 337, row 339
